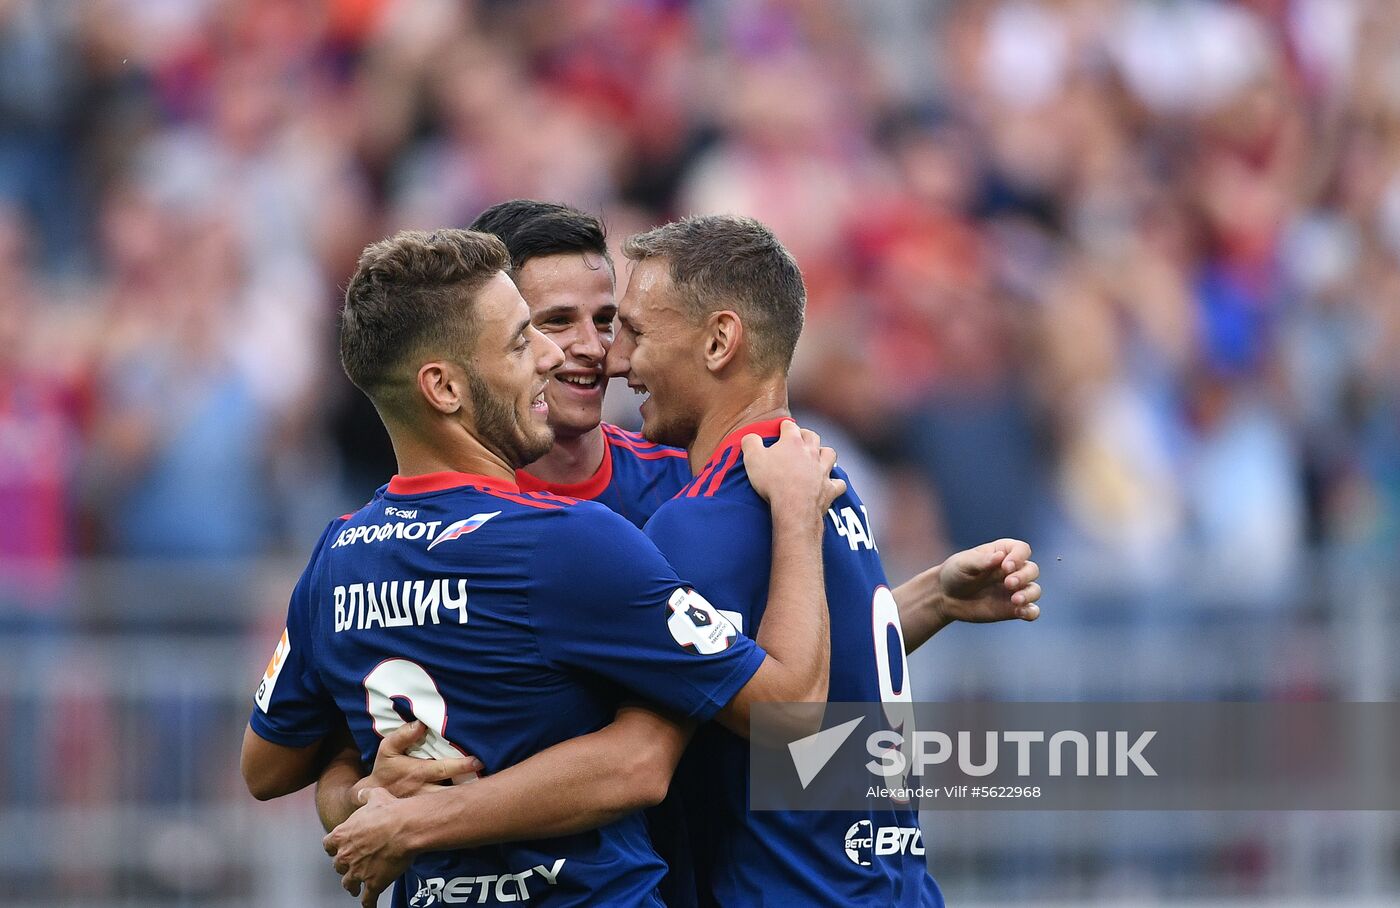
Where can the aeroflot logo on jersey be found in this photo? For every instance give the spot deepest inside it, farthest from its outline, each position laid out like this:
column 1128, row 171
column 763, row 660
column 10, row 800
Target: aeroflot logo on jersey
column 418, row 529
column 483, row 890
column 462, row 528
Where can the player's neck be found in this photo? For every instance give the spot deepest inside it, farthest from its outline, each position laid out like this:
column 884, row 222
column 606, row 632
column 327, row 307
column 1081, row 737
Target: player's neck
column 768, row 400
column 572, row 460
column 460, row 452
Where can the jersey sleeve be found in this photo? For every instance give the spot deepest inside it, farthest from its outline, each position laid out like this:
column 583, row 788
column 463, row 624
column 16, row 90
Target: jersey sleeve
column 291, row 707
column 603, row 600
column 724, row 547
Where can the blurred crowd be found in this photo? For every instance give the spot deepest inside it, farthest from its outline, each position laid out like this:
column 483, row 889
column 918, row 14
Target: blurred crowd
column 1119, row 276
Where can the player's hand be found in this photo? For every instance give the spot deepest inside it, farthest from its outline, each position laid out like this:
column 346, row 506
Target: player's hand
column 366, row 849
column 993, row 582
column 793, row 472
column 404, row 775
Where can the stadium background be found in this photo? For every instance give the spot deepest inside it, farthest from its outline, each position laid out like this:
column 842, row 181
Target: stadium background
column 1120, row 277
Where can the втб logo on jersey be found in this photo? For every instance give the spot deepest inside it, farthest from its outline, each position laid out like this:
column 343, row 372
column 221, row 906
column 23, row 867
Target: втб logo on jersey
column 415, row 530
column 863, row 841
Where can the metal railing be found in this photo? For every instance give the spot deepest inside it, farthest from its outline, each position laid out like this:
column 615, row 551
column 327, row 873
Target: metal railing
column 124, row 688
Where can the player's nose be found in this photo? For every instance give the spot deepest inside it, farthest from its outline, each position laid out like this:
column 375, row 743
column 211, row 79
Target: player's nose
column 589, row 346
column 619, row 358
column 548, row 355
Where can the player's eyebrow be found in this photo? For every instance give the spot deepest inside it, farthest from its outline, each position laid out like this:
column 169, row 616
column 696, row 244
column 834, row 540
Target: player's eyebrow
column 567, row 310
column 519, row 332
column 550, row 312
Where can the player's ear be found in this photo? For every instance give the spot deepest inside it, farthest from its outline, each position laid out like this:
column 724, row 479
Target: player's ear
column 443, row 386
column 723, row 334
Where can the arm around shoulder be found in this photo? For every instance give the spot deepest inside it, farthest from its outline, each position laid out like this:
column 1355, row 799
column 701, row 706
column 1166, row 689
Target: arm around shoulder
column 273, row 770
column 793, row 475
column 574, row 786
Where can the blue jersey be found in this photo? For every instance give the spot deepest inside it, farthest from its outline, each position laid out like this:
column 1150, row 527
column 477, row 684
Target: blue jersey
column 718, row 531
column 635, row 478
column 506, row 621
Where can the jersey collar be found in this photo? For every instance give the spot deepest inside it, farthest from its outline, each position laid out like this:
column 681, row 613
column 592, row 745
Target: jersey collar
column 768, row 428
column 724, row 457
column 587, row 490
column 447, row 479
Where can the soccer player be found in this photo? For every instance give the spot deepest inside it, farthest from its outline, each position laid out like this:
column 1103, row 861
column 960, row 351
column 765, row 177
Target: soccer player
column 561, row 265
column 560, row 261
column 506, row 621
column 709, row 323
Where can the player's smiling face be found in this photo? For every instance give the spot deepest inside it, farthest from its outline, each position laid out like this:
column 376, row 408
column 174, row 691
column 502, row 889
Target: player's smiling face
column 571, row 302
column 510, row 370
column 659, row 350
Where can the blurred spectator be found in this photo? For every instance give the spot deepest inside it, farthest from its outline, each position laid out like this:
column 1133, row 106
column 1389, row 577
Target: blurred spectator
column 42, row 405
column 178, row 447
column 1118, row 276
column 40, row 85
column 1111, row 273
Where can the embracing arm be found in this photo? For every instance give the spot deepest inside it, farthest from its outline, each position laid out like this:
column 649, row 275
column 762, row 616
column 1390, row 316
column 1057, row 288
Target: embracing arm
column 337, row 787
column 793, row 475
column 574, row 786
column 795, row 631
column 273, row 770
column 290, row 705
column 340, row 789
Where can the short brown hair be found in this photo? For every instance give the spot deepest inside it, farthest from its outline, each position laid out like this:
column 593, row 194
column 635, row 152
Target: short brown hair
column 730, row 262
column 412, row 294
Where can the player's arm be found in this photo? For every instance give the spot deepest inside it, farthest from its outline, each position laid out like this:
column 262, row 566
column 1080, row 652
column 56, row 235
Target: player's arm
column 292, row 713
column 607, row 602
column 273, row 770
column 613, row 626
column 337, row 782
column 572, row 787
column 995, row 581
column 714, row 541
column 340, row 787
column 796, row 627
